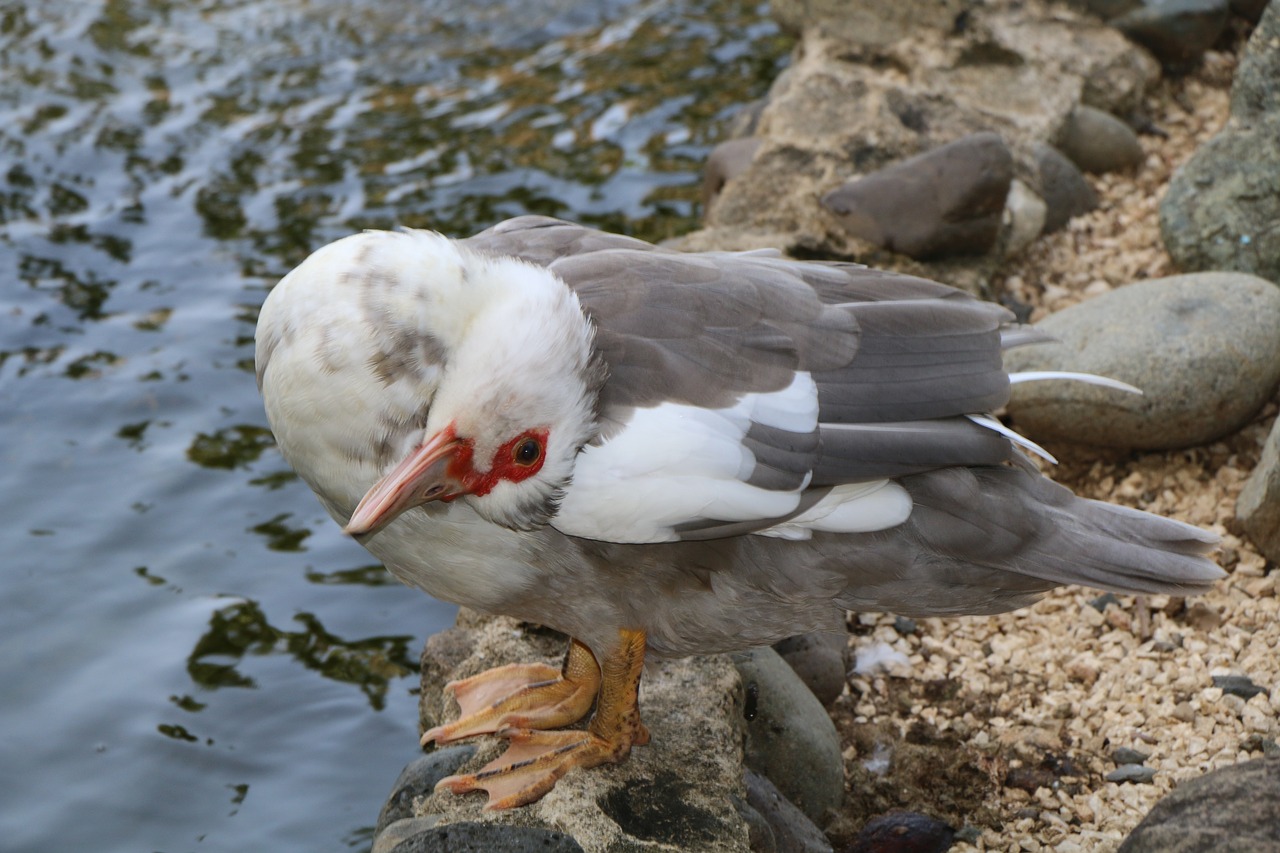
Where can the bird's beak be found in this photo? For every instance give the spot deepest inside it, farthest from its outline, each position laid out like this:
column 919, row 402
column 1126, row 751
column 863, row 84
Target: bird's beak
column 421, row 477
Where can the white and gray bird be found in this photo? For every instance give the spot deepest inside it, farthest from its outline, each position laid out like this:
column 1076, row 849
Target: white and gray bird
column 664, row 454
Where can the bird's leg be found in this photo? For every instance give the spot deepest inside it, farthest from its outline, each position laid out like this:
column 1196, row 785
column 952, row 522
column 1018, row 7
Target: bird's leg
column 534, row 760
column 522, row 696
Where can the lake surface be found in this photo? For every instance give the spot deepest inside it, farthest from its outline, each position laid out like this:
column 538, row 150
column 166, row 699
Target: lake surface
column 193, row 658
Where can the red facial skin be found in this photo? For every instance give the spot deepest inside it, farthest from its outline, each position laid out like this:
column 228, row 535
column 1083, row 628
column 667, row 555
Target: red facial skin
column 506, row 465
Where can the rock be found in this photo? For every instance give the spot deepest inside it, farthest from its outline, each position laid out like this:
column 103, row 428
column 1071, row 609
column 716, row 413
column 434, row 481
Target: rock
column 904, row 626
column 1222, row 205
column 1065, row 190
column 390, row 837
column 1258, row 506
column 1178, row 32
column 1127, row 755
column 1232, row 810
column 903, row 832
column 1099, row 142
column 1202, row 347
column 1106, row 9
column 419, row 778
column 1136, row 773
column 1238, row 685
column 1250, row 10
column 1025, row 214
column 790, row 829
column 725, row 162
column 678, row 790
column 474, row 837
column 946, row 201
column 819, row 659
column 790, row 738
column 759, row 833
column 868, row 22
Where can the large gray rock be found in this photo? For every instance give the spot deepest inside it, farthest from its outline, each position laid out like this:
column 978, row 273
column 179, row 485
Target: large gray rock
column 947, row 201
column 1222, row 206
column 790, row 738
column 678, row 790
column 1258, row 506
column 1232, row 810
column 1204, row 348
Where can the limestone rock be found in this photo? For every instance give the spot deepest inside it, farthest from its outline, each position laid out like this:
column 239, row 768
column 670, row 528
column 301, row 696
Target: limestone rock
column 1232, row 810
column 1099, row 142
column 1258, row 506
column 1202, row 347
column 946, row 201
column 790, row 738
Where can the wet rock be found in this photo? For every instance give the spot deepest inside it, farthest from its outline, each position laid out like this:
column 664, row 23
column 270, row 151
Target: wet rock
column 1238, row 685
column 947, row 201
column 678, row 789
column 903, row 832
column 819, row 659
column 1178, row 32
column 473, row 837
column 1064, row 189
column 790, row 829
column 1232, row 809
column 1099, row 142
column 1258, row 506
column 1127, row 755
column 419, row 778
column 725, row 162
column 790, row 738
column 1136, row 773
column 1202, row 347
column 1222, row 205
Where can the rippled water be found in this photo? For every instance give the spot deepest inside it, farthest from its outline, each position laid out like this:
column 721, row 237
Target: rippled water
column 192, row 657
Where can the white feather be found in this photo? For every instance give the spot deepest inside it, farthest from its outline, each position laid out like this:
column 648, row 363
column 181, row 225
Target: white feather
column 1088, row 378
column 850, row 508
column 1020, row 440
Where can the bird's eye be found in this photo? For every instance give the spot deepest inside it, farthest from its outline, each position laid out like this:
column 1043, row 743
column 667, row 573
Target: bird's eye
column 527, row 452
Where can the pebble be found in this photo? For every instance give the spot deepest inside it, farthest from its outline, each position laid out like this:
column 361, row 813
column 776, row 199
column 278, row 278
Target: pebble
column 1098, row 142
column 1234, row 808
column 418, row 779
column 1238, row 685
column 1063, row 187
column 790, row 738
column 1178, row 32
column 1136, row 773
column 948, row 201
column 819, row 659
column 1101, row 603
column 904, row 626
column 790, row 828
column 1202, row 347
column 1127, row 755
column 903, row 832
column 1025, row 213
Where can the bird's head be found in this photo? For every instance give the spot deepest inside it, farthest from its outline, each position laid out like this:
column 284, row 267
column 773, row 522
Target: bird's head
column 513, row 404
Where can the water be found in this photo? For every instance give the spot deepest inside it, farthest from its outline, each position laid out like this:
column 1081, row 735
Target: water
column 192, row 657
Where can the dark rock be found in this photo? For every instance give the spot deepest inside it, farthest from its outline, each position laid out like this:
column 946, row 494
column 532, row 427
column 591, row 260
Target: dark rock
column 947, row 201
column 389, row 837
column 1101, row 603
column 1202, row 617
column 1250, row 10
column 790, row 738
column 904, row 626
column 1202, row 347
column 725, row 162
column 1258, row 506
column 419, row 778
column 790, row 828
column 473, row 837
column 1136, row 773
column 819, row 659
column 1029, row 779
column 1099, row 142
column 1238, row 685
column 903, row 832
column 759, row 833
column 1063, row 187
column 1126, row 755
column 1178, row 32
column 1231, row 810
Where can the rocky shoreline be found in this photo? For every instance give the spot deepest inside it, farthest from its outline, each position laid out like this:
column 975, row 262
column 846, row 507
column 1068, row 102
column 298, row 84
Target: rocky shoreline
column 1076, row 155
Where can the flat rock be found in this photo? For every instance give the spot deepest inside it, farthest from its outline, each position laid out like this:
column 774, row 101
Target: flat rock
column 1202, row 347
column 790, row 738
column 947, row 201
column 1258, row 506
column 677, row 790
column 1178, row 32
column 1098, row 142
column 1232, row 810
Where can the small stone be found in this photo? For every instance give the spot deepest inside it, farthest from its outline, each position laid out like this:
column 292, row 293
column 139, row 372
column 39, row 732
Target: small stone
column 1202, row 617
column 1178, row 32
column 1238, row 685
column 818, row 658
column 1184, row 712
column 1127, row 755
column 790, row 828
column 1136, row 773
column 1025, row 212
column 1201, row 347
column 1101, row 603
column 1099, row 142
column 725, row 162
column 903, row 831
column 1063, row 187
column 944, row 202
column 904, row 626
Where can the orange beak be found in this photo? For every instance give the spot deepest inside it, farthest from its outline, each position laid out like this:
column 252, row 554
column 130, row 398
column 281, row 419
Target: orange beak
column 422, row 476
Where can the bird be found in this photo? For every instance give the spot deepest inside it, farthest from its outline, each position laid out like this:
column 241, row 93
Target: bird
column 663, row 454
